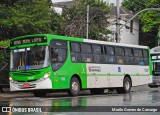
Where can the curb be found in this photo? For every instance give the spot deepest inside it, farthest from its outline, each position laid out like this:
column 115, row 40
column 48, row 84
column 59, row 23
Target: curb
column 15, row 95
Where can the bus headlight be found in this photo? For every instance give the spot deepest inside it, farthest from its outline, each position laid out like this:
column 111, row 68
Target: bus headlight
column 44, row 77
column 10, row 79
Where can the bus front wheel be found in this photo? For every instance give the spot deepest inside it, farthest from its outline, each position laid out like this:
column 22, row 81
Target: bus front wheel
column 126, row 86
column 74, row 87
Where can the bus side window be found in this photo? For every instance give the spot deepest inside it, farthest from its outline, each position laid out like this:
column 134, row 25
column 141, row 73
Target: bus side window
column 138, row 57
column 98, row 53
column 86, row 52
column 110, row 55
column 129, row 56
column 75, row 52
column 58, row 53
column 145, row 55
column 120, row 55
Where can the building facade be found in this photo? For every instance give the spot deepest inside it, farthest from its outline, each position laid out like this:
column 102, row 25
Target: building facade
column 129, row 34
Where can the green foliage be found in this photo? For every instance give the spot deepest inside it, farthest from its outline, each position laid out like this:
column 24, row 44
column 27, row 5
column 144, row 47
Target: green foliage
column 57, row 23
column 150, row 18
column 20, row 17
column 4, row 43
column 75, row 19
column 4, row 56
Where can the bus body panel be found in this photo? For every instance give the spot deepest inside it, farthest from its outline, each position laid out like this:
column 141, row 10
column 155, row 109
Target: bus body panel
column 106, row 75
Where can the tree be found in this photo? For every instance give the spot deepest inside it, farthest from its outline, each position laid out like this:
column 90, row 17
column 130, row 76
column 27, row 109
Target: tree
column 150, row 19
column 57, row 23
column 20, row 17
column 75, row 19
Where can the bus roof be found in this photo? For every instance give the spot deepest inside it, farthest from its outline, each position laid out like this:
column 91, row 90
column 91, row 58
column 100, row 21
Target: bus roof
column 51, row 36
column 155, row 50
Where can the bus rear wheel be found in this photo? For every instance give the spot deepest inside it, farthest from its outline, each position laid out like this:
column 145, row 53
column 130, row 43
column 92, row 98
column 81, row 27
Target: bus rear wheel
column 74, row 87
column 39, row 93
column 126, row 86
column 97, row 91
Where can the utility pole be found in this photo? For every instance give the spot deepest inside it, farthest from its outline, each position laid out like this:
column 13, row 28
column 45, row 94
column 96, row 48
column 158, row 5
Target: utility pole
column 87, row 22
column 118, row 29
column 117, row 21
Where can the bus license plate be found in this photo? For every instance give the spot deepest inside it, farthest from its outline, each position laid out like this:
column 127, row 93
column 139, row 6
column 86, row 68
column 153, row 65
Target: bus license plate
column 26, row 85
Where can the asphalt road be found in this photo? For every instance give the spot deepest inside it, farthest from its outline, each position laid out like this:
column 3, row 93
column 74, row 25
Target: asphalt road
column 139, row 96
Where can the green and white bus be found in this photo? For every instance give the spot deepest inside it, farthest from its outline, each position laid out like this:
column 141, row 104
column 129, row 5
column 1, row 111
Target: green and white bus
column 42, row 63
column 155, row 58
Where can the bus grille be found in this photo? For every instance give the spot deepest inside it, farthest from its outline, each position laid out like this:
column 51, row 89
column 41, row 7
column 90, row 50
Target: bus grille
column 31, row 86
column 22, row 74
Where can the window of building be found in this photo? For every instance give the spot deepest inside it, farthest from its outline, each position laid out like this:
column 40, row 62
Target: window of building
column 131, row 26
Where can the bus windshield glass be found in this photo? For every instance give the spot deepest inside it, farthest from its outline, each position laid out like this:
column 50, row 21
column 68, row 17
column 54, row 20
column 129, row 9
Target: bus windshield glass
column 156, row 66
column 29, row 58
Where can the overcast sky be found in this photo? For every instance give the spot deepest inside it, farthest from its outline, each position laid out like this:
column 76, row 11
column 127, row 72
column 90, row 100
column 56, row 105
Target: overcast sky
column 59, row 10
column 111, row 1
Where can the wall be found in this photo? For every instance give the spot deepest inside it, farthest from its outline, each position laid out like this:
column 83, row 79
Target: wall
column 125, row 35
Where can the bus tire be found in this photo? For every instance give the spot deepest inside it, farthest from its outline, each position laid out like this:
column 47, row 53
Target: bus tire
column 74, row 87
column 96, row 91
column 39, row 93
column 126, row 86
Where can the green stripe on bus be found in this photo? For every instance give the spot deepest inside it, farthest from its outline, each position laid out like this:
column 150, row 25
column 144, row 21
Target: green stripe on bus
column 116, row 74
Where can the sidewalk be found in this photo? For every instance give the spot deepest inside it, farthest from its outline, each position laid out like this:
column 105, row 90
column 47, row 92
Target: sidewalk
column 8, row 94
column 15, row 95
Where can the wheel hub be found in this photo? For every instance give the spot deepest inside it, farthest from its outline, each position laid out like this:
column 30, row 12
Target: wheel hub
column 127, row 85
column 75, row 86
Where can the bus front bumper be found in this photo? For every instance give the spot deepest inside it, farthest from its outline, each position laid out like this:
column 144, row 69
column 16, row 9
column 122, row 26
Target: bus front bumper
column 22, row 86
column 154, row 85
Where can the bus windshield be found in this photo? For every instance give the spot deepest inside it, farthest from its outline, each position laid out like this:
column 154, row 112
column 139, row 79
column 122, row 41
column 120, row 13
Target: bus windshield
column 156, row 66
column 29, row 58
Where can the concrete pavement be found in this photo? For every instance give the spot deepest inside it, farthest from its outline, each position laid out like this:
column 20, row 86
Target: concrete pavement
column 7, row 94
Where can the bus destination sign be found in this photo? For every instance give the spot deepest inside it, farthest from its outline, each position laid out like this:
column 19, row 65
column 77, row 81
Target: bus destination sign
column 28, row 41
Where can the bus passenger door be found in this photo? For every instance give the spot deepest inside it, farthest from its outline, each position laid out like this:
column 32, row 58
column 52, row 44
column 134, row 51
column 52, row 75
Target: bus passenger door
column 59, row 65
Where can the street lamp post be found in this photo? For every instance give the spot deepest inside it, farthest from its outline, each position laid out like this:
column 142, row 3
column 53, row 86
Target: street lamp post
column 87, row 21
column 115, row 33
